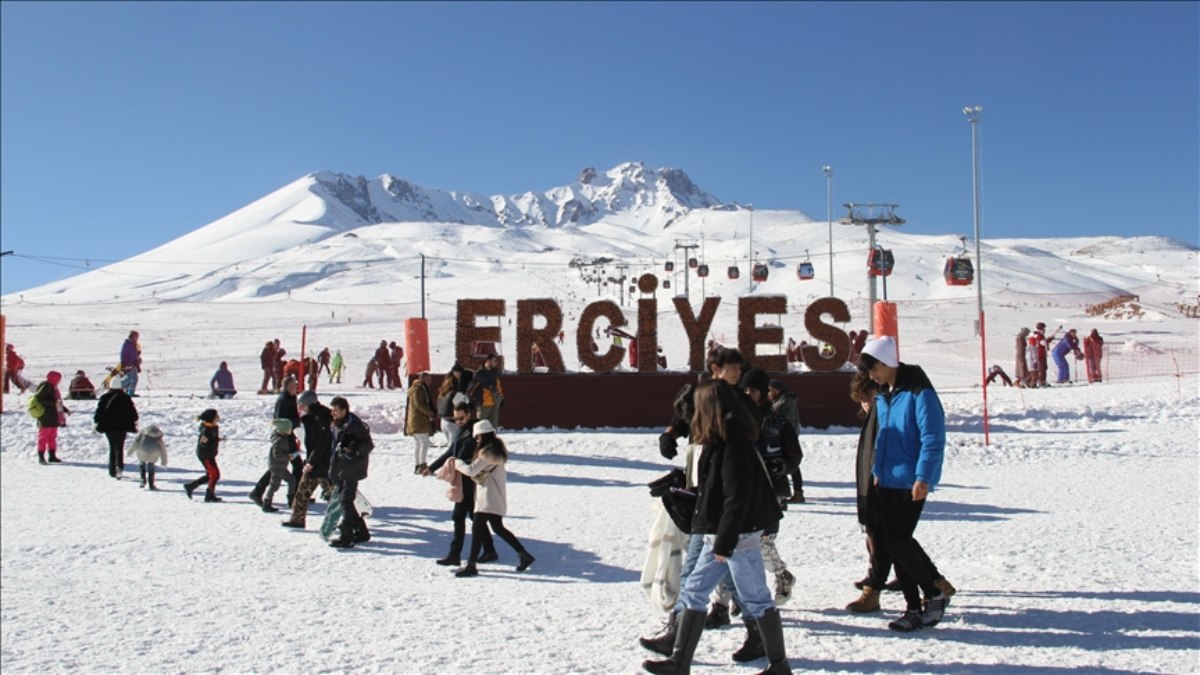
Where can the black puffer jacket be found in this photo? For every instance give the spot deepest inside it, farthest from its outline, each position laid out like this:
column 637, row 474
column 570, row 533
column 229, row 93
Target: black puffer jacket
column 115, row 412
column 317, row 439
column 352, row 447
column 734, row 495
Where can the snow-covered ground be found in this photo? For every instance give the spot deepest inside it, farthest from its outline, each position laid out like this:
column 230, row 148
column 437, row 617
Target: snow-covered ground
column 1072, row 537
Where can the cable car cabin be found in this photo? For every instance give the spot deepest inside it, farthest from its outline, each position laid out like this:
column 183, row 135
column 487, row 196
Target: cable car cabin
column 632, row 290
column 734, row 272
column 702, row 271
column 666, row 283
column 693, row 263
column 805, row 271
column 670, row 266
column 880, row 262
column 760, row 272
column 959, row 272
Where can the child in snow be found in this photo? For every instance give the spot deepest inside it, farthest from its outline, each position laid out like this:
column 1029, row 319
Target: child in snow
column 150, row 449
column 206, row 452
column 54, row 415
column 283, row 451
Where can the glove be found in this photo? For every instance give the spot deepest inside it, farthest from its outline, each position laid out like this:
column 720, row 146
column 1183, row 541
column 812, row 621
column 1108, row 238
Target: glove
column 666, row 445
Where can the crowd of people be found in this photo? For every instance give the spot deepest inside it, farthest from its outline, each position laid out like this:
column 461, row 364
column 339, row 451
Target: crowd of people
column 1033, row 348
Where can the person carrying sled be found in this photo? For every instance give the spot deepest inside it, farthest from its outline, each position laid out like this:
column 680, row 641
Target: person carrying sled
column 116, row 416
column 149, row 448
column 50, row 414
column 207, row 446
column 351, row 446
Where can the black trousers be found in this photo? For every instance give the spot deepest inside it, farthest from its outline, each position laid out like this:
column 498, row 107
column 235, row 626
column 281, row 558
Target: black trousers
column 116, row 451
column 899, row 516
column 479, row 530
column 463, row 510
column 352, row 520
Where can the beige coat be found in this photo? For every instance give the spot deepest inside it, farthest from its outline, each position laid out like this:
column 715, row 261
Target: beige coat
column 487, row 470
column 419, row 417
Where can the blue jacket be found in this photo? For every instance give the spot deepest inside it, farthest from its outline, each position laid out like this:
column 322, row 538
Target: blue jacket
column 911, row 440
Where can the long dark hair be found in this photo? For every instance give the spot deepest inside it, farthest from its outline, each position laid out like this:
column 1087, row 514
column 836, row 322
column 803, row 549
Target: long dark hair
column 719, row 413
column 491, row 440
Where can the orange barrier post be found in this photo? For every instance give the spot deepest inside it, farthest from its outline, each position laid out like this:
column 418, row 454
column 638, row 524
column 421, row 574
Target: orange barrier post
column 416, row 345
column 886, row 322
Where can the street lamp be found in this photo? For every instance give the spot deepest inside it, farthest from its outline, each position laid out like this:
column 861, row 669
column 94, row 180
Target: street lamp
column 973, row 115
column 750, row 276
column 829, row 218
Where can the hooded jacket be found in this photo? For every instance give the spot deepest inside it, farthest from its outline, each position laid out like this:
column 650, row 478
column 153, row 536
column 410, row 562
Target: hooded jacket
column 115, row 412
column 911, row 439
column 149, row 446
column 352, row 447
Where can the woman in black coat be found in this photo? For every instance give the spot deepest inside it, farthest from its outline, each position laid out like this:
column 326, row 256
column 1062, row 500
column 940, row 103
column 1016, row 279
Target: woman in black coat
column 734, row 504
column 116, row 416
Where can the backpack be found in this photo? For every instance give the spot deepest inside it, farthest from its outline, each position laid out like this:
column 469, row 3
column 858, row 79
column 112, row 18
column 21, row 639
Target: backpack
column 35, row 408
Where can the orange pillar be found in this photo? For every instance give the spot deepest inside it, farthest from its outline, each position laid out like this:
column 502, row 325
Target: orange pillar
column 416, row 345
column 886, row 322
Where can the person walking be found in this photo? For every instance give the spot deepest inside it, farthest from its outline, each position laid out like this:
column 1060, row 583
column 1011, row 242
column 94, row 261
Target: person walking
column 735, row 503
column 418, row 420
column 207, row 447
column 13, row 365
column 783, row 402
column 149, row 448
column 487, row 470
column 909, row 447
column 351, row 446
column 283, row 450
column 462, row 450
column 115, row 417
column 335, row 375
column 131, row 362
column 316, row 420
column 52, row 415
column 285, row 408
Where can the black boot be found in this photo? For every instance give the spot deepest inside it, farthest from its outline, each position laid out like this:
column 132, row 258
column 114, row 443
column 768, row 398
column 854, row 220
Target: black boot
column 770, row 627
column 664, row 642
column 256, row 497
column 41, row 457
column 189, row 488
column 468, row 571
column 691, row 625
column 150, row 476
column 210, row 495
column 525, row 561
column 752, row 648
column 54, row 457
column 718, row 616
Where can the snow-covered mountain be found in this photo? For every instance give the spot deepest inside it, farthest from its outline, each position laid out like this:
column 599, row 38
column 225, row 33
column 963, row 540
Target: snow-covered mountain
column 338, row 238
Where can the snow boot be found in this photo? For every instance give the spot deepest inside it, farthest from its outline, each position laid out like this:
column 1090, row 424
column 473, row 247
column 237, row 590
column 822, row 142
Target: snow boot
column 54, row 457
column 210, row 495
column 469, row 571
column 691, row 625
column 525, row 561
column 189, row 488
column 41, row 457
column 784, row 581
column 770, row 627
column 945, row 587
column 268, row 508
column 718, row 616
column 664, row 642
column 867, row 602
column 291, row 523
column 361, row 534
column 752, row 648
column 256, row 496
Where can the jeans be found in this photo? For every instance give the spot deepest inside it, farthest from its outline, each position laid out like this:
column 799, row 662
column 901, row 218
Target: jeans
column 745, row 565
column 129, row 381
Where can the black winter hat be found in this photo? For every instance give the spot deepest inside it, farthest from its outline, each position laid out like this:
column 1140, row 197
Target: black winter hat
column 209, row 415
column 779, row 386
column 755, row 378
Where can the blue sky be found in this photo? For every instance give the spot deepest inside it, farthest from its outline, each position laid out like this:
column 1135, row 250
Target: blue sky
column 126, row 125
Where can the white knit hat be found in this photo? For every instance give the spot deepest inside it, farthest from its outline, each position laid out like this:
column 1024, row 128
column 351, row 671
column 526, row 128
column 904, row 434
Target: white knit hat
column 883, row 350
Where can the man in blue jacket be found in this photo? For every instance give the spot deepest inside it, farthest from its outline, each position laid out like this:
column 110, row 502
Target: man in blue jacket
column 909, row 447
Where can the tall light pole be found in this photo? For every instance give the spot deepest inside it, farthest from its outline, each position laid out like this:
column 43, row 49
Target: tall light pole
column 829, row 218
column 750, row 254
column 973, row 114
